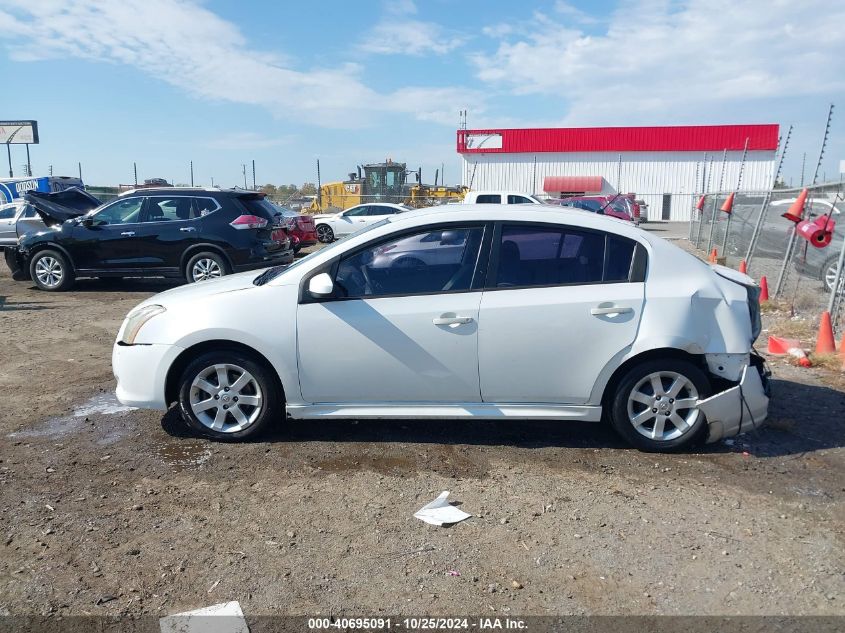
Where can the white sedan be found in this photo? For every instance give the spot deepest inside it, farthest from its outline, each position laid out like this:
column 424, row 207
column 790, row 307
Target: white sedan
column 541, row 313
column 331, row 226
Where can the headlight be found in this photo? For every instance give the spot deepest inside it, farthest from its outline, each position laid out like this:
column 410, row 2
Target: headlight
column 136, row 320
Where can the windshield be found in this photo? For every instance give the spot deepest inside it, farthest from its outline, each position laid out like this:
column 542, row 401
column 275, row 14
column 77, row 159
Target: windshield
column 278, row 271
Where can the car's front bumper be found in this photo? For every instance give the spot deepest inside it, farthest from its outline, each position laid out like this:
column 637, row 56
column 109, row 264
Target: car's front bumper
column 15, row 263
column 141, row 373
column 741, row 408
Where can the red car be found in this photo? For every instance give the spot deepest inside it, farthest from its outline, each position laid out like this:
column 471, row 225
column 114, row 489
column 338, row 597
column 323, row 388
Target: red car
column 299, row 227
column 606, row 205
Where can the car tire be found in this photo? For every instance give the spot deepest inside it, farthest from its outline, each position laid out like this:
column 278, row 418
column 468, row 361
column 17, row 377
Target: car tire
column 205, row 266
column 644, row 405
column 828, row 273
column 51, row 270
column 296, row 248
column 212, row 391
column 325, row 233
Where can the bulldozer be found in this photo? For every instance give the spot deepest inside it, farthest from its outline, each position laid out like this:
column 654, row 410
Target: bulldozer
column 383, row 182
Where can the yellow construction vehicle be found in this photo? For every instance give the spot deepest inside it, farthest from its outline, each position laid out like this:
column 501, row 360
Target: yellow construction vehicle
column 383, row 182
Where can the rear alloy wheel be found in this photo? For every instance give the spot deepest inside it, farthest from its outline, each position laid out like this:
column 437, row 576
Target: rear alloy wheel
column 655, row 406
column 50, row 270
column 205, row 266
column 325, row 233
column 228, row 395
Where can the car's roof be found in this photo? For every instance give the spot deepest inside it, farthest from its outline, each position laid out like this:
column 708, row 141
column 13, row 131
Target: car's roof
column 383, row 204
column 156, row 191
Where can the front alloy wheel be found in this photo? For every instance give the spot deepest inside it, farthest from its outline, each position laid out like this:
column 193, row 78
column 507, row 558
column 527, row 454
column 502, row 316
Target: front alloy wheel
column 655, row 406
column 50, row 270
column 228, row 395
column 325, row 233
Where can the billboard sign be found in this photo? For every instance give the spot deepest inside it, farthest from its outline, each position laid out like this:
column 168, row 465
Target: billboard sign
column 484, row 141
column 18, row 132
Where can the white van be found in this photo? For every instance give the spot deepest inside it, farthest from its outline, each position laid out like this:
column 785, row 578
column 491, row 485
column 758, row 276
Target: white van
column 499, row 197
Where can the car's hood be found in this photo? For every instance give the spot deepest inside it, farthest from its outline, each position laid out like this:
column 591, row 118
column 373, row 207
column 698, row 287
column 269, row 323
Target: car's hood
column 59, row 206
column 189, row 293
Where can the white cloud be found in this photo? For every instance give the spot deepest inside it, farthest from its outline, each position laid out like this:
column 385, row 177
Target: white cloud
column 246, row 140
column 186, row 45
column 657, row 59
column 409, row 37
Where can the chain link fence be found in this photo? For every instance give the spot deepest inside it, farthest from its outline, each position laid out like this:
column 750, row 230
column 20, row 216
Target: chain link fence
column 800, row 274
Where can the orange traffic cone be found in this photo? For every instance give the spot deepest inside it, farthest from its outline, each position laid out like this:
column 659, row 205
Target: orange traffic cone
column 714, row 255
column 842, row 351
column 796, row 209
column 764, row 289
column 788, row 346
column 824, row 342
column 743, row 268
column 701, row 201
column 728, row 205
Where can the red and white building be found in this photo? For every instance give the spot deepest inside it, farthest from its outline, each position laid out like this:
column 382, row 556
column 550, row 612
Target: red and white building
column 665, row 166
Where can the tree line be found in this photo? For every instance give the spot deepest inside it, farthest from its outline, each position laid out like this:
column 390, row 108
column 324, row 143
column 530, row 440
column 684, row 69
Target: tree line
column 281, row 191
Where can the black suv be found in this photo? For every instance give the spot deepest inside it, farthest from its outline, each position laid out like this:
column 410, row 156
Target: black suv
column 195, row 234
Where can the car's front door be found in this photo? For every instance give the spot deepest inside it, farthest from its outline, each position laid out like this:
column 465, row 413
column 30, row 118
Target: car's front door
column 559, row 306
column 112, row 239
column 401, row 329
column 352, row 220
column 8, row 215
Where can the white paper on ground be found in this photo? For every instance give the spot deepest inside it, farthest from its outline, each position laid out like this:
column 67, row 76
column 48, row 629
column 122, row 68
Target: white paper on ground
column 226, row 617
column 441, row 512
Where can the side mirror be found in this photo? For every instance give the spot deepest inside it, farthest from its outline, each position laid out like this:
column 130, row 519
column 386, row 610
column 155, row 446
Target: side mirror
column 88, row 220
column 321, row 285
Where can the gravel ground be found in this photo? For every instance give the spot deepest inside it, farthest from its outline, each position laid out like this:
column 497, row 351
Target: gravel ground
column 108, row 511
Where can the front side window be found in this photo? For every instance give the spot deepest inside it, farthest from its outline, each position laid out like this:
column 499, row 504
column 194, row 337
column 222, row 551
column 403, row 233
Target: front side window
column 126, row 211
column 8, row 212
column 548, row 256
column 357, row 212
column 441, row 260
column 489, row 198
column 166, row 209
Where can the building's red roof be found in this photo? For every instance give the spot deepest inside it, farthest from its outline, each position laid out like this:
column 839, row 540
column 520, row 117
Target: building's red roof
column 682, row 138
column 591, row 184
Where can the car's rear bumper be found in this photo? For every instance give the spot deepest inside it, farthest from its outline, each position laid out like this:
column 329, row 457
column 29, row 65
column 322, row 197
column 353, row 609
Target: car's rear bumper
column 141, row 373
column 741, row 408
column 265, row 261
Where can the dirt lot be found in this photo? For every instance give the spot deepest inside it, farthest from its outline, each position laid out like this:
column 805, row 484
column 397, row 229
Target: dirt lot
column 108, row 511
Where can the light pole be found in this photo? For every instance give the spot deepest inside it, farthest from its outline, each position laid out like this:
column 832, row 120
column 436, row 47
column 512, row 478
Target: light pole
column 243, row 168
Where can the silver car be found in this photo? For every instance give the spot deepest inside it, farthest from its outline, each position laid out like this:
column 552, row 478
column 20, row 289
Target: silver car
column 18, row 218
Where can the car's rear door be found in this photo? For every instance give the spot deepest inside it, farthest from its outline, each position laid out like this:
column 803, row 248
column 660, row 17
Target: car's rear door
column 560, row 303
column 170, row 226
column 396, row 333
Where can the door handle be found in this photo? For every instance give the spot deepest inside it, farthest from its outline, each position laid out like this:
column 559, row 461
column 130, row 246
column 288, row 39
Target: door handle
column 187, row 229
column 610, row 310
column 128, row 233
column 445, row 319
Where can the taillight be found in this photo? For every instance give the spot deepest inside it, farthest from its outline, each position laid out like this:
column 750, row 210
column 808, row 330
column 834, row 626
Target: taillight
column 248, row 222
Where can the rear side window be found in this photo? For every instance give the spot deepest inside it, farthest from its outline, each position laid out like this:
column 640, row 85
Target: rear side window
column 204, row 206
column 7, row 213
column 29, row 212
column 518, row 200
column 169, row 209
column 489, row 198
column 549, row 256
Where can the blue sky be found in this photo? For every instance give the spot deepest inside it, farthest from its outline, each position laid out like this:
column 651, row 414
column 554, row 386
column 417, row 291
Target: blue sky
column 219, row 82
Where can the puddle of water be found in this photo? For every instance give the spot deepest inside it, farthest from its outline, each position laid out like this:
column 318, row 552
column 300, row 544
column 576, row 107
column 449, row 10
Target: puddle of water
column 183, row 454
column 101, row 404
